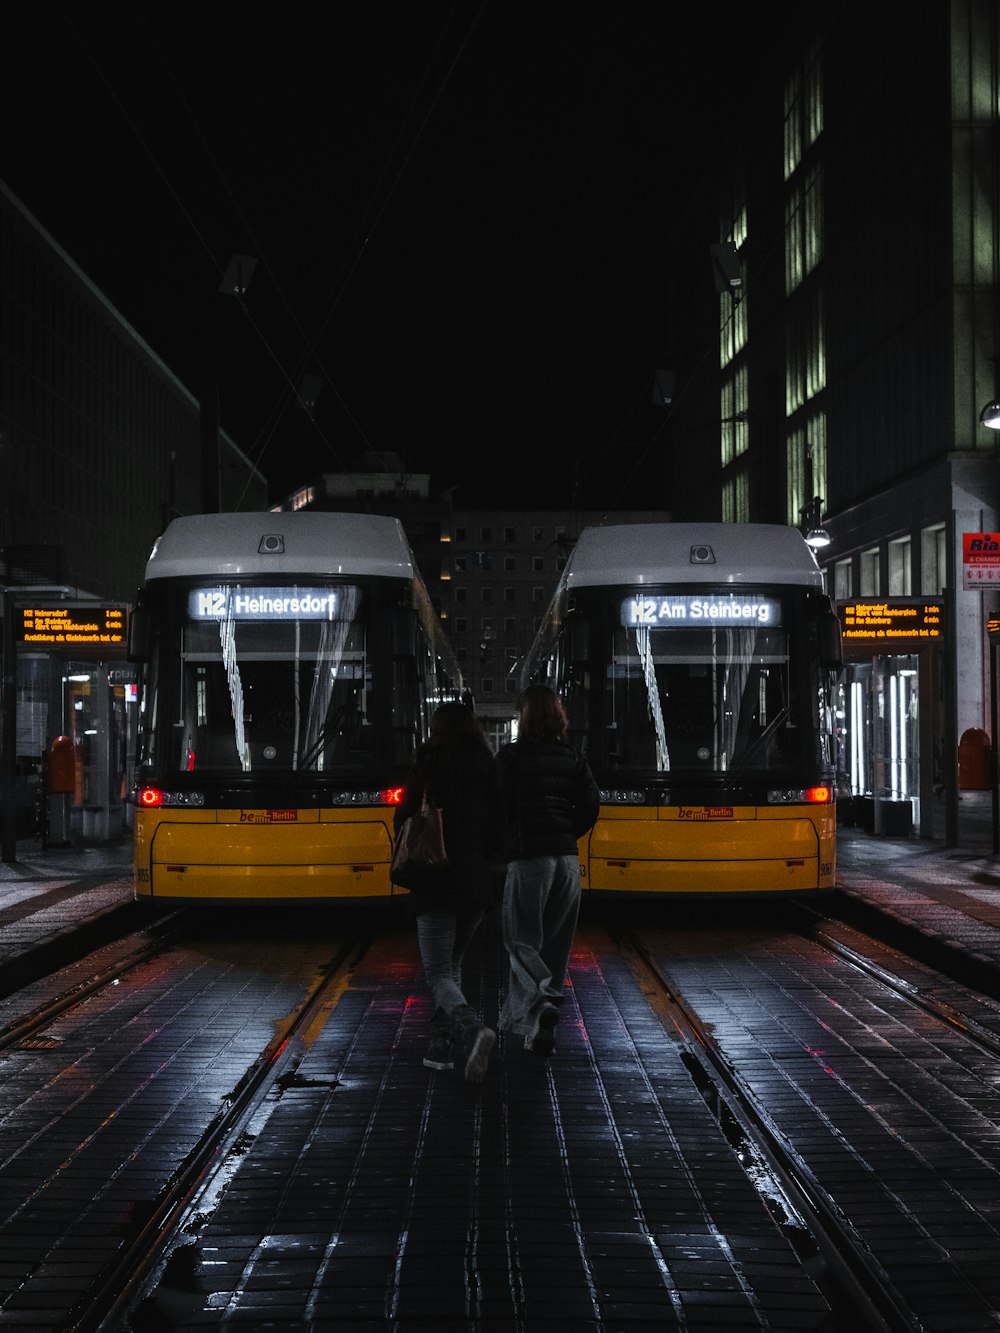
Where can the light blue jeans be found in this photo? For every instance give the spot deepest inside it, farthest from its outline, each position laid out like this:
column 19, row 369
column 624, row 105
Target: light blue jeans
column 443, row 937
column 541, row 904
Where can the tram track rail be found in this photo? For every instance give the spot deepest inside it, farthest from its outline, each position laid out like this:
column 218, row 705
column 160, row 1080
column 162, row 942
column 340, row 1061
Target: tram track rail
column 67, row 1058
column 123, row 1281
column 814, row 925
column 825, row 1049
column 615, row 1104
column 158, row 935
column 779, row 1174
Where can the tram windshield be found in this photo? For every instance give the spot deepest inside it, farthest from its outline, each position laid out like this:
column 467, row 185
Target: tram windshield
column 712, row 690
column 253, row 679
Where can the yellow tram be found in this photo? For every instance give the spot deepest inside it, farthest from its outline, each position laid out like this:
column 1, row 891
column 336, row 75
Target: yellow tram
column 290, row 664
column 697, row 663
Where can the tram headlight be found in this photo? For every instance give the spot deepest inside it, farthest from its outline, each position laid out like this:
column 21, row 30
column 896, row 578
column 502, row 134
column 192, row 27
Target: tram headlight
column 819, row 795
column 340, row 798
column 623, row 796
column 153, row 798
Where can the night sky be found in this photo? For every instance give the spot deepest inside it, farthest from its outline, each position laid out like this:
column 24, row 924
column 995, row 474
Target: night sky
column 460, row 215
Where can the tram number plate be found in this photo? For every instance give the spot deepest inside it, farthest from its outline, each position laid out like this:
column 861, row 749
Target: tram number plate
column 704, row 812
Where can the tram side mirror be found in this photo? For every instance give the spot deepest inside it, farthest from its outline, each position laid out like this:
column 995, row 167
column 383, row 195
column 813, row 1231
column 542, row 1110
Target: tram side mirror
column 403, row 629
column 830, row 641
column 139, row 635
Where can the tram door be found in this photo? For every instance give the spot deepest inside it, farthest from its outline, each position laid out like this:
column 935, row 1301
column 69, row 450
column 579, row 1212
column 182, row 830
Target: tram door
column 878, row 739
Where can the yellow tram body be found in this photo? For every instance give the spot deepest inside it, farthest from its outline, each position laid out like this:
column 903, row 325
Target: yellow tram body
column 262, row 856
column 707, row 850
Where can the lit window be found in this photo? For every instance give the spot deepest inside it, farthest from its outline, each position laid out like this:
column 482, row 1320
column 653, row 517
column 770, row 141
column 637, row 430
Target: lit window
column 871, row 583
column 843, row 583
column 900, row 584
column 934, row 560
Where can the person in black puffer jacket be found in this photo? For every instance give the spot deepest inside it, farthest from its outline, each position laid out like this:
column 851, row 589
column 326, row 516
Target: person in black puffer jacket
column 458, row 770
column 551, row 800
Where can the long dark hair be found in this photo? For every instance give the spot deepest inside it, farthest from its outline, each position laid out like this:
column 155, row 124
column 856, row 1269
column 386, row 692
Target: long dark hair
column 542, row 715
column 454, row 730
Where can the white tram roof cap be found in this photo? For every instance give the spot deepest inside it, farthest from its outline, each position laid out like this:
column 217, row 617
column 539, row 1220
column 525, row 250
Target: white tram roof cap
column 291, row 544
column 655, row 553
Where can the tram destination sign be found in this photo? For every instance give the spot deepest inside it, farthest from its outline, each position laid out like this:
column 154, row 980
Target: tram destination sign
column 255, row 603
column 897, row 621
column 71, row 624
column 714, row 610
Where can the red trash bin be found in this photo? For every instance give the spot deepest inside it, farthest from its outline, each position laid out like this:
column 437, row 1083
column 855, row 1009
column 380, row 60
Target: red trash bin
column 61, row 772
column 974, row 760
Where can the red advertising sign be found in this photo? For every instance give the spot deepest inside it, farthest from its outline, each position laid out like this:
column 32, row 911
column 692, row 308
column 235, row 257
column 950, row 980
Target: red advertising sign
column 981, row 559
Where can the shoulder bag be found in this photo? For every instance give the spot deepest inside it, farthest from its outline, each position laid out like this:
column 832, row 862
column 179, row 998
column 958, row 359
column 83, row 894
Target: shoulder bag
column 419, row 856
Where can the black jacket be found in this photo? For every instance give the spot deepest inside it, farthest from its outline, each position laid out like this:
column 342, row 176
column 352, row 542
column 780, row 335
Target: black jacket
column 550, row 796
column 475, row 828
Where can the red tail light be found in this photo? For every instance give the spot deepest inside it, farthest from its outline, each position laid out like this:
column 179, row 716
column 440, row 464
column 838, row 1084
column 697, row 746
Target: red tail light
column 819, row 795
column 149, row 797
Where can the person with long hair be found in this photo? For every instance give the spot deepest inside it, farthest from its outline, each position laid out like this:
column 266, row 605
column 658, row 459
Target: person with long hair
column 551, row 799
column 457, row 770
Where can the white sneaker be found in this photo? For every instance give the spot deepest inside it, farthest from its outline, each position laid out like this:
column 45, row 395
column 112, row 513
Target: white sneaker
column 479, row 1047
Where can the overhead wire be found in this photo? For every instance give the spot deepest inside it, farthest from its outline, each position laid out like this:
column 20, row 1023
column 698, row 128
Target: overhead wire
column 290, row 391
column 370, row 220
column 154, row 161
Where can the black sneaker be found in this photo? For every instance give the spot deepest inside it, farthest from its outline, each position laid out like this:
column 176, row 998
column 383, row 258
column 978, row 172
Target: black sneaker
column 541, row 1040
column 439, row 1050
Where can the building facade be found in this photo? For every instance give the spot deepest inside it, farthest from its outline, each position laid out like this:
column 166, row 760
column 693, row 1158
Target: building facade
column 856, row 210
column 100, row 445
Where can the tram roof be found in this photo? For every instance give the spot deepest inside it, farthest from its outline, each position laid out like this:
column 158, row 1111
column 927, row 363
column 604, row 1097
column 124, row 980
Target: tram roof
column 279, row 543
column 653, row 553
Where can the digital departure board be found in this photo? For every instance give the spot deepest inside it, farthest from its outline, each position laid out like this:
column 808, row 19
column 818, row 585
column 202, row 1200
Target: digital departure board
column 71, row 623
column 894, row 622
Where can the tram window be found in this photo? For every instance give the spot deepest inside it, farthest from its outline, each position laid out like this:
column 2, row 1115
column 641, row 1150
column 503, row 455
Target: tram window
column 280, row 694
column 699, row 699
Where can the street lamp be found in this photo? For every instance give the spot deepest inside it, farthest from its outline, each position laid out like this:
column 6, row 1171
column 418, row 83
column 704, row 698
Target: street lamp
column 812, row 524
column 811, row 512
